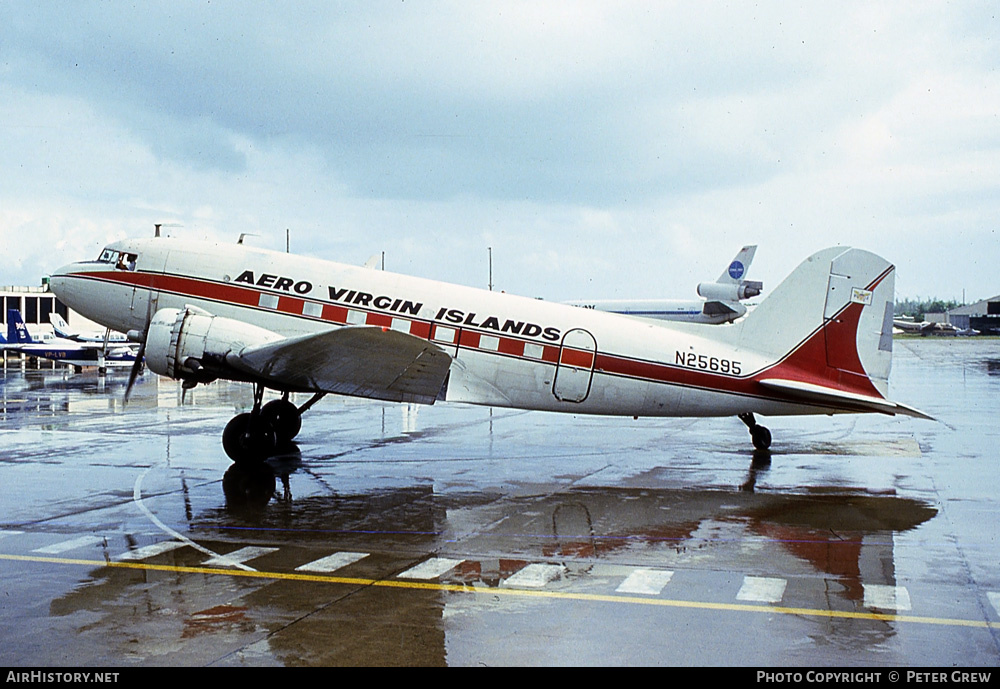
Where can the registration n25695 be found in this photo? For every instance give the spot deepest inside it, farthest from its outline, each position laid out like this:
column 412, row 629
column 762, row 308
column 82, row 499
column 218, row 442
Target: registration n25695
column 704, row 362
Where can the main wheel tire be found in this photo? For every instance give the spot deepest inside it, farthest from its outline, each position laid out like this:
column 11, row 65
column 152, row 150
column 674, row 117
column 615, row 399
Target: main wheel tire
column 761, row 437
column 246, row 439
column 284, row 418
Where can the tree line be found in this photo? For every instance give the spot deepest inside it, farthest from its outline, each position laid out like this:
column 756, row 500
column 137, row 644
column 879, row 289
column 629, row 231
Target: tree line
column 919, row 307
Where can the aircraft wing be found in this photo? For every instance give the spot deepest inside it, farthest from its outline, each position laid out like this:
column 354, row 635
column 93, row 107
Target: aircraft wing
column 352, row 360
column 819, row 394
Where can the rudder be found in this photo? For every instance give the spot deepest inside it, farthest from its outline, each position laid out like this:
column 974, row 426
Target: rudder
column 829, row 323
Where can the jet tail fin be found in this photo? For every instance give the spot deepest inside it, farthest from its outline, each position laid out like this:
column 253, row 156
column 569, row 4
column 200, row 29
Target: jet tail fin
column 829, row 325
column 17, row 331
column 739, row 266
column 730, row 289
column 61, row 327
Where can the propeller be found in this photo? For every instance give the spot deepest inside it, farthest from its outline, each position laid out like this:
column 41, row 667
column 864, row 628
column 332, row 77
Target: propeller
column 141, row 354
column 136, row 368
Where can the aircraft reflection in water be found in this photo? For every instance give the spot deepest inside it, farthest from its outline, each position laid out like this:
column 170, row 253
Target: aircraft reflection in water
column 834, row 543
column 51, row 392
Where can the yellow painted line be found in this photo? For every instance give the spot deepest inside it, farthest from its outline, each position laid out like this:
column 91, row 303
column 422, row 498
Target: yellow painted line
column 522, row 593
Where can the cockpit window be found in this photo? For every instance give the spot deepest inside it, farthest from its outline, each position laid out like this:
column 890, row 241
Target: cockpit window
column 120, row 259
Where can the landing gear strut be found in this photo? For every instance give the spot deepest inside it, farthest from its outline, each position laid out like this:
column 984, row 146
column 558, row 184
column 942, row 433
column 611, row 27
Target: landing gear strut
column 254, row 436
column 759, row 434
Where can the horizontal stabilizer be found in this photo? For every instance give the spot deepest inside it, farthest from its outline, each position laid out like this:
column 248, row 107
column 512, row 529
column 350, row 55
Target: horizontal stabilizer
column 840, row 399
column 731, row 310
column 363, row 360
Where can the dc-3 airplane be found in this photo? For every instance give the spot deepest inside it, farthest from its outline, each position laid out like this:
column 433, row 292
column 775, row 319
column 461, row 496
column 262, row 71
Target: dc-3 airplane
column 821, row 343
column 720, row 302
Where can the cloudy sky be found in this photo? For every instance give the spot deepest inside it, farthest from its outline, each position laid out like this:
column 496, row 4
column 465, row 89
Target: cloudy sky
column 601, row 149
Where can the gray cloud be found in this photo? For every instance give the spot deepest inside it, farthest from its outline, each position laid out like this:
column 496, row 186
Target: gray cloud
column 531, row 123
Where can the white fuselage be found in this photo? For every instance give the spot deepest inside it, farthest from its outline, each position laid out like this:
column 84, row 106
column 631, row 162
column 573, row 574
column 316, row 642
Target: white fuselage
column 679, row 310
column 507, row 350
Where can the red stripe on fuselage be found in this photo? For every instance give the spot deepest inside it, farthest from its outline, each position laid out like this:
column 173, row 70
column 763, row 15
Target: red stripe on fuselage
column 806, row 362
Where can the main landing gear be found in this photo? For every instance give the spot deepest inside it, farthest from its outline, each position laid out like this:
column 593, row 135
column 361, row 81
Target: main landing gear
column 759, row 434
column 255, row 435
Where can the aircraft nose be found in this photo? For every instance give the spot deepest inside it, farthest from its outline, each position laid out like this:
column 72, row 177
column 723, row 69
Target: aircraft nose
column 61, row 281
column 57, row 279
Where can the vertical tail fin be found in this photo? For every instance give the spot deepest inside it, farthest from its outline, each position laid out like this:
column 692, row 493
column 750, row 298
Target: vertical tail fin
column 829, row 326
column 17, row 331
column 60, row 326
column 739, row 266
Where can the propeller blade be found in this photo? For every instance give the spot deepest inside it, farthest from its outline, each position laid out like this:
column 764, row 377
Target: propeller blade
column 136, row 367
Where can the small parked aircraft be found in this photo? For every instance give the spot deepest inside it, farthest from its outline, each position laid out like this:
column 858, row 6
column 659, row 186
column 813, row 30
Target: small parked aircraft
column 907, row 324
column 63, row 330
column 720, row 302
column 78, row 354
column 821, row 343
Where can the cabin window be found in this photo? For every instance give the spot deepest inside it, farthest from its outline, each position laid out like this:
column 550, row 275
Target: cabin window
column 122, row 260
column 125, row 261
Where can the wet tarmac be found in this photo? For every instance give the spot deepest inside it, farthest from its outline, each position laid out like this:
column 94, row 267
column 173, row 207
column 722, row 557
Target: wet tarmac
column 456, row 535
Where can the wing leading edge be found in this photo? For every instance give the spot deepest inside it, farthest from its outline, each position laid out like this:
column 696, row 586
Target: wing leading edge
column 353, row 360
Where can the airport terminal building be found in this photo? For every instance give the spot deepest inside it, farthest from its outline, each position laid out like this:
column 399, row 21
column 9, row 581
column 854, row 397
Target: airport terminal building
column 35, row 305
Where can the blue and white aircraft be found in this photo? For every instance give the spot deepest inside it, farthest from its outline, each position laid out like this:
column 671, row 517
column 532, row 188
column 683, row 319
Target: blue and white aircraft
column 63, row 330
column 78, row 354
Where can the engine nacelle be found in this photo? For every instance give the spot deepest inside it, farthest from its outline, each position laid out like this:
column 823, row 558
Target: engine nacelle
column 745, row 289
column 192, row 344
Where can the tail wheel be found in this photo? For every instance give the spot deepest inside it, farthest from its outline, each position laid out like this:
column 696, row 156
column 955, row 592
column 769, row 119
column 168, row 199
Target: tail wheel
column 247, row 439
column 283, row 417
column 761, row 436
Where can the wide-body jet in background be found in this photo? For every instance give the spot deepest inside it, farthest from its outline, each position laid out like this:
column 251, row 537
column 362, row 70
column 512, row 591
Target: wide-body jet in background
column 820, row 343
column 721, row 300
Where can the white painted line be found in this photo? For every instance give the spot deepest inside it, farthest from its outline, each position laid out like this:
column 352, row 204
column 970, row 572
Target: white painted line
column 4, row 534
column 648, row 582
column 534, row 576
column 431, row 569
column 762, row 590
column 173, row 533
column 994, row 599
column 887, row 597
column 63, row 546
column 238, row 557
column 148, row 551
column 331, row 563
